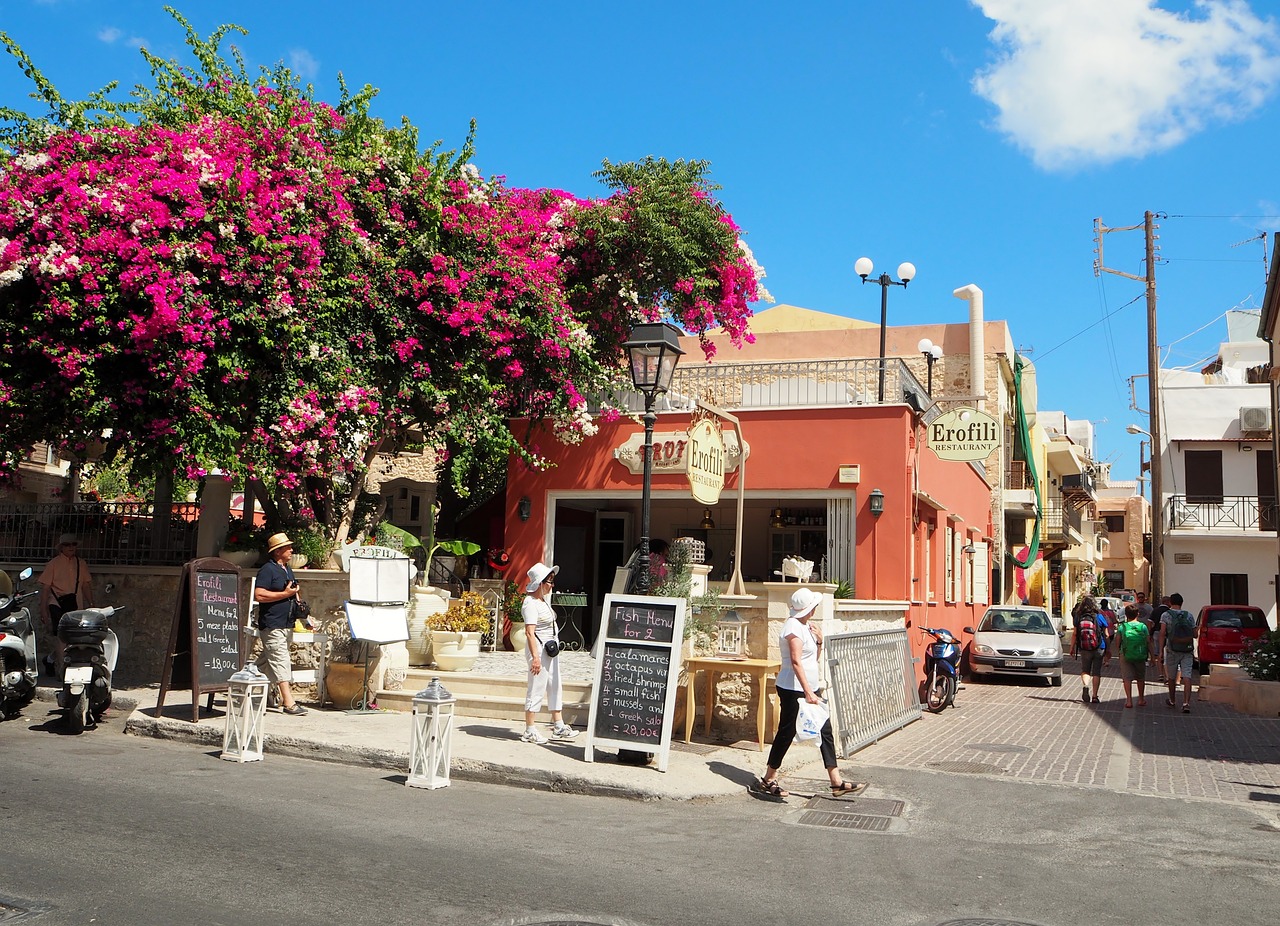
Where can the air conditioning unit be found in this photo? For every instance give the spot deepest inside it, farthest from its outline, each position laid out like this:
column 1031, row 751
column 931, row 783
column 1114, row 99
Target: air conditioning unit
column 1255, row 419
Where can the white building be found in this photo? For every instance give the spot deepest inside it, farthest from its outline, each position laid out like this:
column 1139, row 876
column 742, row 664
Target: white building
column 1218, row 476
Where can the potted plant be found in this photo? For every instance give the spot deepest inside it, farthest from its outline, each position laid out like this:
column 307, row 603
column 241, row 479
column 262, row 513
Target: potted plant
column 457, row 631
column 311, row 547
column 243, row 544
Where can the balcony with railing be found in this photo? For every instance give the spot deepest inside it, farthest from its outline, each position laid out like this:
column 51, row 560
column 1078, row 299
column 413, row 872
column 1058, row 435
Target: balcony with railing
column 789, row 384
column 1221, row 513
column 110, row 533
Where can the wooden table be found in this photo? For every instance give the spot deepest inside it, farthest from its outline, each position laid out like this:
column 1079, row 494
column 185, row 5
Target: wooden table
column 758, row 669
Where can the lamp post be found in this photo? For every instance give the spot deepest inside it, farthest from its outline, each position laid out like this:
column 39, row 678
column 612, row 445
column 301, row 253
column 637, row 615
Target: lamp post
column 906, row 273
column 653, row 350
column 932, row 354
column 1157, row 518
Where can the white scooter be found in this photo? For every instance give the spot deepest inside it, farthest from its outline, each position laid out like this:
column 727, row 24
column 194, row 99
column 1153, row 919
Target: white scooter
column 18, row 667
column 90, row 649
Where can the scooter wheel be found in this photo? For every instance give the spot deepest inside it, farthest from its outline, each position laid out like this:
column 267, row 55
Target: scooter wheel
column 77, row 712
column 936, row 696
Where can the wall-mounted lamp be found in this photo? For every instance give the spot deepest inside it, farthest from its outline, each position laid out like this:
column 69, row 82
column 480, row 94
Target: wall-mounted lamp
column 876, row 502
column 776, row 519
column 707, row 522
column 969, row 548
column 525, row 508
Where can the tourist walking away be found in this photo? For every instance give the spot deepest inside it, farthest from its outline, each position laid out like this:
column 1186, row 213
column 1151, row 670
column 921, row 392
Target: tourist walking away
column 1090, row 642
column 1157, row 655
column 1108, row 615
column 65, row 585
column 276, row 592
column 800, row 644
column 1131, row 641
column 1177, row 634
column 541, row 656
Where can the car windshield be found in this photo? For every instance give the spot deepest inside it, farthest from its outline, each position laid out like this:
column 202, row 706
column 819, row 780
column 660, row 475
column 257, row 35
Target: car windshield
column 1014, row 620
column 1239, row 618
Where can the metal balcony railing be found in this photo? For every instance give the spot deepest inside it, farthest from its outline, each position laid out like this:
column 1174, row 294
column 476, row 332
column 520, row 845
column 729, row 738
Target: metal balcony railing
column 788, row 384
column 110, row 533
column 1018, row 475
column 1225, row 512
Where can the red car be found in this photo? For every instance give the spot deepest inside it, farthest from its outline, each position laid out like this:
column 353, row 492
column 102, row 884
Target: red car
column 1225, row 630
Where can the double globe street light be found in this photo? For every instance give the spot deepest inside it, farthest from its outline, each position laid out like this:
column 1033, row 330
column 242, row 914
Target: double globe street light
column 932, row 354
column 906, row 273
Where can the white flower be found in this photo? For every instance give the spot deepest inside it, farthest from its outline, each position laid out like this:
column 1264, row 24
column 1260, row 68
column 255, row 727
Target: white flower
column 31, row 161
column 12, row 275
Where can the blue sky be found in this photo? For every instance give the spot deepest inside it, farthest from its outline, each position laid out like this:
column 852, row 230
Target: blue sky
column 978, row 140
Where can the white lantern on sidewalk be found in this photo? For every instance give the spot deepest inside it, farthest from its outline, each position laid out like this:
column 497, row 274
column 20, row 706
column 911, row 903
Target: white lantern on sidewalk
column 431, row 743
column 246, row 708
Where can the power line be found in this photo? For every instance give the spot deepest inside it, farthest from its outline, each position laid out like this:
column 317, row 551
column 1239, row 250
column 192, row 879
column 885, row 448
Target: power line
column 1094, row 325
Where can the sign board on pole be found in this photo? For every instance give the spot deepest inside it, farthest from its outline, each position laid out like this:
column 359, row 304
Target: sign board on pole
column 707, row 460
column 964, row 434
column 637, row 671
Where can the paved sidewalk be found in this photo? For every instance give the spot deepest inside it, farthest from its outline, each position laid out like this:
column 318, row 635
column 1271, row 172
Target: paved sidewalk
column 1019, row 730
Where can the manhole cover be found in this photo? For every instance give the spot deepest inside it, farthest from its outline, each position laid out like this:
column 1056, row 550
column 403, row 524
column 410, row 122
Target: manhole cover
column 847, row 821
column 968, row 768
column 997, row 747
column 876, row 806
column 698, row 749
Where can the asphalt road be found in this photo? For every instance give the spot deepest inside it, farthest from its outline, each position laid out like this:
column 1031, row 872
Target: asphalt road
column 122, row 831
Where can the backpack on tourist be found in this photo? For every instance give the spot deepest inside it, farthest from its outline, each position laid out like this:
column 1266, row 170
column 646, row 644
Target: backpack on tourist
column 1087, row 632
column 1133, row 641
column 1182, row 631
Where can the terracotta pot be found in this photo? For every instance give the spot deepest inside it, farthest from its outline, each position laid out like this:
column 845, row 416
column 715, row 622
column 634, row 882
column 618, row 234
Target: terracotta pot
column 343, row 682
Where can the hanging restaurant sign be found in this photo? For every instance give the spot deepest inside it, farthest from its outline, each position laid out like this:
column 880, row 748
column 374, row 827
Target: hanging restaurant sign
column 671, row 452
column 707, row 458
column 964, row 434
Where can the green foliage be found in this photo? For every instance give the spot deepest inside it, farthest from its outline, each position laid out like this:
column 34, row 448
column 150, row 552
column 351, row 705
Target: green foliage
column 468, row 614
column 843, row 589
column 703, row 610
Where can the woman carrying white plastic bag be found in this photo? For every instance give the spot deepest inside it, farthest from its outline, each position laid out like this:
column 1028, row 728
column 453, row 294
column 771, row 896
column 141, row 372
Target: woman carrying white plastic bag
column 798, row 682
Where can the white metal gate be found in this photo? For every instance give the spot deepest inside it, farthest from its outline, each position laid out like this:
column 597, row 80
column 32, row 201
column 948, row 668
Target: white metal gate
column 871, row 685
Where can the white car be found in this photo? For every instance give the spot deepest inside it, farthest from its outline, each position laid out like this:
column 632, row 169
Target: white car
column 1015, row 640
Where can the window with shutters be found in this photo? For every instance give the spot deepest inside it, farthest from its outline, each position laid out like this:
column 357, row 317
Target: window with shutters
column 1203, row 476
column 1228, row 588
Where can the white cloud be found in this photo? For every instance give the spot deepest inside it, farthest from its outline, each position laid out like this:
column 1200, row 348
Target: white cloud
column 109, row 35
column 1094, row 81
column 303, row 63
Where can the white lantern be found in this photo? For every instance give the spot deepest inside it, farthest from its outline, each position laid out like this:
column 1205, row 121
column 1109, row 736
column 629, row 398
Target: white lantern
column 431, row 742
column 246, row 708
column 731, row 636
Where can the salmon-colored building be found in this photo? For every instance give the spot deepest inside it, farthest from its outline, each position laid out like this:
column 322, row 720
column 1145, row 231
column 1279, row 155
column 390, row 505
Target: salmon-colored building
column 819, row 443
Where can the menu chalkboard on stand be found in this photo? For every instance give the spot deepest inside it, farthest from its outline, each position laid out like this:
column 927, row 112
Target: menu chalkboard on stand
column 637, row 668
column 204, row 642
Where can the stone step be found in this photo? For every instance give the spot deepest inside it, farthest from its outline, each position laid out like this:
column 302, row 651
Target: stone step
column 492, row 697
column 1216, row 694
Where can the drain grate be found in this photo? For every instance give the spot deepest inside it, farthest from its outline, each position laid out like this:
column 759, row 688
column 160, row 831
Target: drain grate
column 698, row 749
column 968, row 768
column 847, row 821
column 877, row 806
column 997, row 747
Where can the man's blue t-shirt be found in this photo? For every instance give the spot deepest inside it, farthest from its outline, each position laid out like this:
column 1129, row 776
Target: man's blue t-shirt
column 277, row 615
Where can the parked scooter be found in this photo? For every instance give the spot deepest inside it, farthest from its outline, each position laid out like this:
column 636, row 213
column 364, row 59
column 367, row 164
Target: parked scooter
column 19, row 670
column 89, row 658
column 941, row 669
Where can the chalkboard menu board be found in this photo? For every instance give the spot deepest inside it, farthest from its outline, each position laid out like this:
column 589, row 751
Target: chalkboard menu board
column 637, row 667
column 204, row 642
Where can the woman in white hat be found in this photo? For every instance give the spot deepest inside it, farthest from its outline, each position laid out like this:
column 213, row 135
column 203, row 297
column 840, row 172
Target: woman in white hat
column 544, row 671
column 800, row 645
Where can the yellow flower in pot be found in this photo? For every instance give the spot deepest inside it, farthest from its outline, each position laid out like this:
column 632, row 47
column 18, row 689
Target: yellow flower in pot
column 456, row 633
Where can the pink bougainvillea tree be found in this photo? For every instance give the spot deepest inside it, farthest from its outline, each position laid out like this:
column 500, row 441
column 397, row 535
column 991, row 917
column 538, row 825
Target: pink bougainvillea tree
column 225, row 272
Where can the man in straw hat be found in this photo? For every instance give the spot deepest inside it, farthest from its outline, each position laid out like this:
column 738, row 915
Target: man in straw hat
column 276, row 593
column 65, row 585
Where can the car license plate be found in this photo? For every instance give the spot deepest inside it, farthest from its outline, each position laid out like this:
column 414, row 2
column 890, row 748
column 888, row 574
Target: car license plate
column 78, row 675
column 1015, row 663
column 1230, row 657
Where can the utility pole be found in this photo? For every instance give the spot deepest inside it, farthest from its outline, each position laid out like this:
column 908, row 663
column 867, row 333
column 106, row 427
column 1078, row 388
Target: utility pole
column 1153, row 384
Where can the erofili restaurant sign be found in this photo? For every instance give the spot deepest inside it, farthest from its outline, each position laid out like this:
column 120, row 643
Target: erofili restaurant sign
column 964, row 434
column 707, row 460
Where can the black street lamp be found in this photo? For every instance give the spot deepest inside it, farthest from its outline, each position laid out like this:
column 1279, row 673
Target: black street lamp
column 932, row 354
column 653, row 351
column 906, row 273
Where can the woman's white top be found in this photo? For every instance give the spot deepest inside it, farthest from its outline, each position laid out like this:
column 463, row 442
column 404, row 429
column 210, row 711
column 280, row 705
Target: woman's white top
column 538, row 611
column 808, row 656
